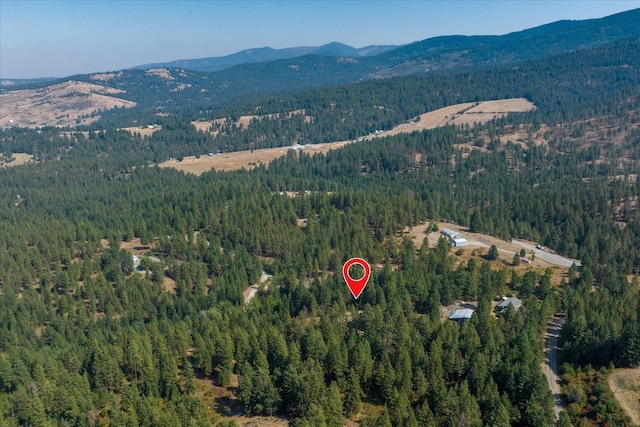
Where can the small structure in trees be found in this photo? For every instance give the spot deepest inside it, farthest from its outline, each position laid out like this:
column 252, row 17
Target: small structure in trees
column 461, row 315
column 504, row 304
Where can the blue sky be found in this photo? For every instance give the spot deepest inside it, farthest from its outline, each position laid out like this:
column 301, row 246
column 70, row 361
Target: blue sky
column 60, row 38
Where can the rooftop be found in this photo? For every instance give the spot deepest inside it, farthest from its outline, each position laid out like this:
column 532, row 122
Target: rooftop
column 450, row 233
column 514, row 301
column 462, row 314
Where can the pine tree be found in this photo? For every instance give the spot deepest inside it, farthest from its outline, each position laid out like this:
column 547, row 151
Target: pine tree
column 353, row 395
column 189, row 378
column 493, row 253
column 333, row 407
column 499, row 417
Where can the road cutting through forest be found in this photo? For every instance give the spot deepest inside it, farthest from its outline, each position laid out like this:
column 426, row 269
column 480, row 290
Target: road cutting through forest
column 551, row 364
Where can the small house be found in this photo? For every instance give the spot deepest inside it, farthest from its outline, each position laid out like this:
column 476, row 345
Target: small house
column 504, row 304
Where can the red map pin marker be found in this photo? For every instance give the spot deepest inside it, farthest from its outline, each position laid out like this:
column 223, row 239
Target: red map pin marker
column 356, row 286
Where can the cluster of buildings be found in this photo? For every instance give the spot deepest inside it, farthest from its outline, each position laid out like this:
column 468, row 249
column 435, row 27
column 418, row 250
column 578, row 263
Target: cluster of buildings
column 296, row 147
column 463, row 314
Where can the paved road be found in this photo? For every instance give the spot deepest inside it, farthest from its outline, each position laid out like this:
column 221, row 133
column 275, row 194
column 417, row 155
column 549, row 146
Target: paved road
column 549, row 257
column 551, row 365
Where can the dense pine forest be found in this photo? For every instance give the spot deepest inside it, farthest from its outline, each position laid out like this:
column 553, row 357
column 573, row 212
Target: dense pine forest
column 87, row 338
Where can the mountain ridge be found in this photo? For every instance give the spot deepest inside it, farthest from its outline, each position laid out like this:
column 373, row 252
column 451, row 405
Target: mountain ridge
column 266, row 54
column 576, row 34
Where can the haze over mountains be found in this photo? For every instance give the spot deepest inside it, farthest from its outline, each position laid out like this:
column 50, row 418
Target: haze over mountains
column 442, row 52
column 258, row 72
column 266, row 54
column 429, row 54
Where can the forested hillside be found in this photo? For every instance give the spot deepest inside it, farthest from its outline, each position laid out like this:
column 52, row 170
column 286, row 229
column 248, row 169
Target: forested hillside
column 88, row 338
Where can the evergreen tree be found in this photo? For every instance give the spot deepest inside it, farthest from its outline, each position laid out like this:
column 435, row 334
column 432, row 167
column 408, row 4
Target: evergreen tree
column 493, row 254
column 353, row 395
column 333, row 408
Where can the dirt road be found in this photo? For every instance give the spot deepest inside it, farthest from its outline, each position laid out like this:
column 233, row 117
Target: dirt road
column 547, row 256
column 252, row 290
column 551, row 365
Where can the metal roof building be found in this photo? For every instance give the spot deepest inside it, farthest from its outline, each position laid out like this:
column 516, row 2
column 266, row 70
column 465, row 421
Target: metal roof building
column 462, row 314
column 450, row 233
column 459, row 241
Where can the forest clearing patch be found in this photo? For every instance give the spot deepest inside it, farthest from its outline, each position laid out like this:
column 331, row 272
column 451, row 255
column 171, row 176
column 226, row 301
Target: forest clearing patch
column 245, row 121
column 518, row 136
column 247, row 159
column 18, row 159
column 163, row 73
column 478, row 246
column 143, row 130
column 222, row 404
column 207, row 126
column 625, row 385
column 485, row 111
column 104, row 77
column 169, row 285
column 210, row 126
column 135, row 247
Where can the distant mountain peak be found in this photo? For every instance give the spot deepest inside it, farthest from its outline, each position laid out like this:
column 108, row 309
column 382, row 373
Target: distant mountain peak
column 267, row 54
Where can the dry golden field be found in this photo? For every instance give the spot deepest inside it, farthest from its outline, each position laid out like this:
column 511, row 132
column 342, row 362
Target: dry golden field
column 625, row 385
column 63, row 104
column 477, row 112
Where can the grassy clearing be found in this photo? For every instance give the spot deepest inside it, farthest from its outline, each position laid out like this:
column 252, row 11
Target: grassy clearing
column 18, row 159
column 625, row 385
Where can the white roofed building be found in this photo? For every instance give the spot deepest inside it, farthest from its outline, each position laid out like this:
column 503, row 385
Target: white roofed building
column 461, row 314
column 450, row 233
column 459, row 241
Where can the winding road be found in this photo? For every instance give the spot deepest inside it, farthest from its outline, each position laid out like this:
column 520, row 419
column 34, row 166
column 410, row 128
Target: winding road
column 551, row 364
column 252, row 290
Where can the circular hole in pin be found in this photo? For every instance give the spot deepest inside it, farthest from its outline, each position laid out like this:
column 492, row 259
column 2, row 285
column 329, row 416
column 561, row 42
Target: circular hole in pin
column 356, row 272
